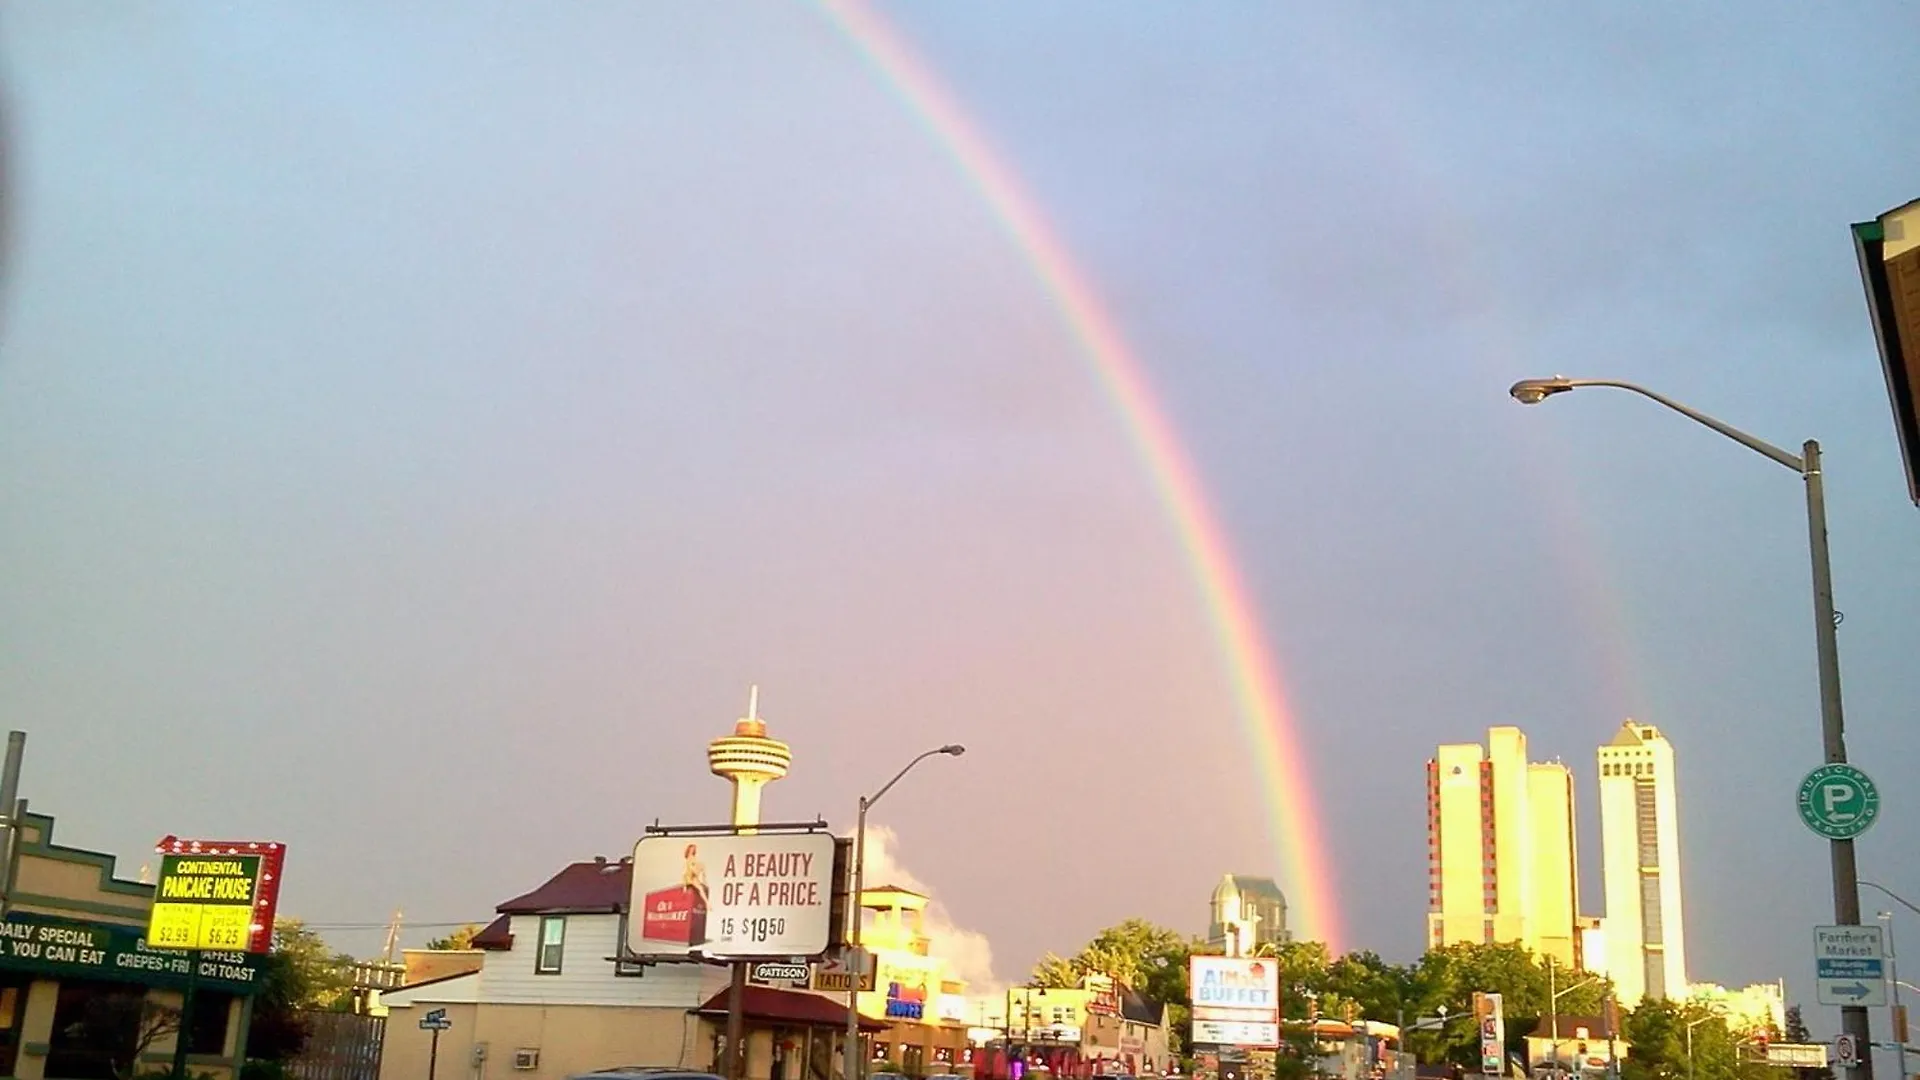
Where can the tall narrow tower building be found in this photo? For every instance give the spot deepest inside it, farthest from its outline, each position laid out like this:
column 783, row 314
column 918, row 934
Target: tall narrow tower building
column 1640, row 843
column 1500, row 848
column 750, row 759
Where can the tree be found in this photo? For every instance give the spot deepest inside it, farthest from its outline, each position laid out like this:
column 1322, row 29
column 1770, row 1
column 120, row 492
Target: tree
column 317, row 977
column 279, row 1029
column 129, row 1023
column 459, row 939
column 1796, row 1032
column 1054, row 970
column 1136, row 953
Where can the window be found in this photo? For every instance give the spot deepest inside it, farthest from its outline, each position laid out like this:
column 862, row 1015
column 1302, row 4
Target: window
column 553, row 936
column 209, row 1030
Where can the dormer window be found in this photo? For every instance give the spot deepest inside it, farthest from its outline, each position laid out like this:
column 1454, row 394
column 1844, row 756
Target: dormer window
column 553, row 937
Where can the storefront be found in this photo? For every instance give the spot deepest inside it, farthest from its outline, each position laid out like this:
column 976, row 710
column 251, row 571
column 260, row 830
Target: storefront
column 82, row 997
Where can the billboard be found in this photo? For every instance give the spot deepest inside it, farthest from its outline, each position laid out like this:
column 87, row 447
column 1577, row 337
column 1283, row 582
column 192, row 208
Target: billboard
column 1235, row 1033
column 759, row 895
column 215, row 894
column 1236, row 1000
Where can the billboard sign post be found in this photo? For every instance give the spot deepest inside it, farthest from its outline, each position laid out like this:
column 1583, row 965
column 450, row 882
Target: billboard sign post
column 212, row 894
column 1236, row 1001
column 751, row 896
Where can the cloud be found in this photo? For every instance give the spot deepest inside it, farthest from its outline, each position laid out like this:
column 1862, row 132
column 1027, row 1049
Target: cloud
column 968, row 953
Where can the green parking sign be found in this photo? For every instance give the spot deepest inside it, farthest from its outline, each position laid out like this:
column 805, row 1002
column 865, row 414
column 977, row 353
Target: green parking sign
column 1838, row 801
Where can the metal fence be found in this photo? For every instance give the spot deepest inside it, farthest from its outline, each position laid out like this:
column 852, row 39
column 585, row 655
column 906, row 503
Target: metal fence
column 344, row 1046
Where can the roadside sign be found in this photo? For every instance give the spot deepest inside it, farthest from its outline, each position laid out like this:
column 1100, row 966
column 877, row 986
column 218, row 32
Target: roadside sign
column 740, row 897
column 1236, row 1033
column 215, row 895
column 435, row 1020
column 1849, row 965
column 1839, row 801
column 835, row 972
column 1846, row 1051
column 1488, row 1008
column 781, row 971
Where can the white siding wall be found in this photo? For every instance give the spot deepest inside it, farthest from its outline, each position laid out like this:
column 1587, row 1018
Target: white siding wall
column 586, row 976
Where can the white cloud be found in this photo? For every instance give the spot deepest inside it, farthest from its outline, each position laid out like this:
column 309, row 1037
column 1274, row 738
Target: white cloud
column 968, row 953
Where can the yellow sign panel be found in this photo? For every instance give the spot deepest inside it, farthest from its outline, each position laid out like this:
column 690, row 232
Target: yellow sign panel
column 204, row 902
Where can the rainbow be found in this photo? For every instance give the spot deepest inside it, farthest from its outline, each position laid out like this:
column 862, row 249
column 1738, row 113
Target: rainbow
column 1305, row 869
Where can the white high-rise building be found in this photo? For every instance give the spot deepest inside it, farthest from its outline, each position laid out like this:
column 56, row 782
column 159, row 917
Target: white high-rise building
column 1640, row 861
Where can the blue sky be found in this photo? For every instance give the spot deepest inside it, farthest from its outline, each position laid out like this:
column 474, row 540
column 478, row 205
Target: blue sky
column 418, row 428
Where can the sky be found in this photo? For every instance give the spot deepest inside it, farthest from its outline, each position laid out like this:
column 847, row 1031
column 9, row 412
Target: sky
column 419, row 427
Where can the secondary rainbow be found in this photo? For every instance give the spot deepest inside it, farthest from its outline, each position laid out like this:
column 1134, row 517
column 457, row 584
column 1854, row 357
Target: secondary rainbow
column 1267, row 723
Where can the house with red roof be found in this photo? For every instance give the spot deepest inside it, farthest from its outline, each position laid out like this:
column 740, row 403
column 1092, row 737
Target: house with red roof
column 551, row 998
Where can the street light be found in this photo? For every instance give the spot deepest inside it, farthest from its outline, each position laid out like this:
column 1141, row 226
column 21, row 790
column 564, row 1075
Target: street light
column 1553, row 1006
column 1897, row 1015
column 1891, row 895
column 852, row 1052
column 1846, row 887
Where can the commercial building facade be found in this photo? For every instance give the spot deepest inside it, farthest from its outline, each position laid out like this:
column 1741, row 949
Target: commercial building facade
column 82, row 997
column 1640, row 844
column 1502, row 859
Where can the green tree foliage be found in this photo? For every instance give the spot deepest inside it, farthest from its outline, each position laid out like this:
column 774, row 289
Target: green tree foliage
column 1663, row 1032
column 1148, row 958
column 1055, row 970
column 459, row 939
column 316, row 976
column 1796, row 1032
column 279, row 1029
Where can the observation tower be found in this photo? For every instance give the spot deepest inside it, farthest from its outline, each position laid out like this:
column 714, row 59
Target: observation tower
column 750, row 759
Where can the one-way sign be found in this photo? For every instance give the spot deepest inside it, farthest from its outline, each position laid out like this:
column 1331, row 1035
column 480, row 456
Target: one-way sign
column 1849, row 965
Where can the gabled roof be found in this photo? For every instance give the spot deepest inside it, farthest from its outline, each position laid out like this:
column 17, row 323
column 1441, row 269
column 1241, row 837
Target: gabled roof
column 1140, row 1008
column 1245, row 885
column 584, row 888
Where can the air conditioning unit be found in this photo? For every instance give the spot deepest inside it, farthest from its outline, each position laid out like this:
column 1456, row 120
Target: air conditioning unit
column 526, row 1059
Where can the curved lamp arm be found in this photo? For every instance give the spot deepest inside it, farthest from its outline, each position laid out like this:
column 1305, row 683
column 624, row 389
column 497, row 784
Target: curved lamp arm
column 1534, row 391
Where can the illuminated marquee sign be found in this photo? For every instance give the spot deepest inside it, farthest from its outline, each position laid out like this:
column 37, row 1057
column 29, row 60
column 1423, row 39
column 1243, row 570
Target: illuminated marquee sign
column 216, row 895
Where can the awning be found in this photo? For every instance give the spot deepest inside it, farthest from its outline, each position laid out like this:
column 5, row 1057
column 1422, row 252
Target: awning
column 764, row 1004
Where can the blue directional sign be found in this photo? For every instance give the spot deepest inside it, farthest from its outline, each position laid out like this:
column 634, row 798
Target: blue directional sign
column 1849, row 965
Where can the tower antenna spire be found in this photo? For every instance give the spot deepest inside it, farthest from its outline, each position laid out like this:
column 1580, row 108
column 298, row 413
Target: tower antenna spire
column 753, row 702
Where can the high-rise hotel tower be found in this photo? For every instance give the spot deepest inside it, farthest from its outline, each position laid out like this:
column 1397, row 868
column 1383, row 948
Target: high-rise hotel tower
column 1500, row 848
column 1640, row 852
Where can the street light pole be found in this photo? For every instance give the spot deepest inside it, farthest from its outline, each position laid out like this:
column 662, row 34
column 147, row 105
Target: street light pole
column 850, row 1060
column 1846, row 879
column 1897, row 1015
column 1553, row 1007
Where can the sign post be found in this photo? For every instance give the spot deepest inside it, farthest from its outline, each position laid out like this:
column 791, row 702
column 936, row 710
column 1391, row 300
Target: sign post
column 1849, row 965
column 721, row 894
column 218, row 895
column 1839, row 801
column 435, row 1021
